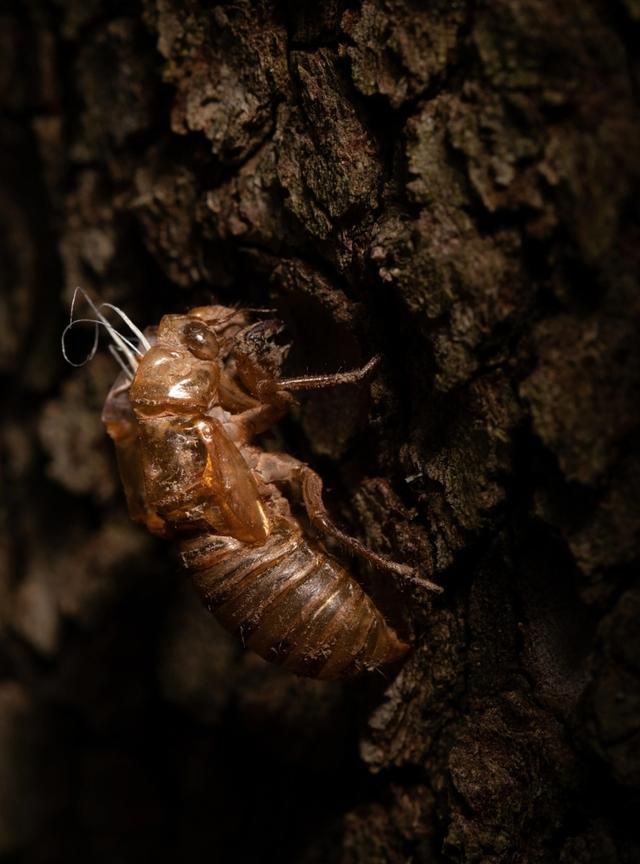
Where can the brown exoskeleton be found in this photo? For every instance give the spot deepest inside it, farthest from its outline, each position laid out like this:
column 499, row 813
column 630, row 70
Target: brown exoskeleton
column 183, row 415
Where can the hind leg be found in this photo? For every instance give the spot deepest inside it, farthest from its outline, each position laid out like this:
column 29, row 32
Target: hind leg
column 317, row 512
column 306, row 485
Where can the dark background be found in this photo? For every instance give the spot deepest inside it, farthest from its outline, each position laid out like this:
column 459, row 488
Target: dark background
column 453, row 185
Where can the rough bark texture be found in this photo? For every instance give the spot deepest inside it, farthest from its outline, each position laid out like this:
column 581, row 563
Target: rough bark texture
column 451, row 184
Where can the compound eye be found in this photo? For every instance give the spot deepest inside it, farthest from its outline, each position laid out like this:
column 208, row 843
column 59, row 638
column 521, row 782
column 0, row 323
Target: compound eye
column 200, row 340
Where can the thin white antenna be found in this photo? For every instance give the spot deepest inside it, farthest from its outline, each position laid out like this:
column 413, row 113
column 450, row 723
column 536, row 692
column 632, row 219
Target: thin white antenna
column 135, row 330
column 121, row 344
column 114, row 353
column 96, row 336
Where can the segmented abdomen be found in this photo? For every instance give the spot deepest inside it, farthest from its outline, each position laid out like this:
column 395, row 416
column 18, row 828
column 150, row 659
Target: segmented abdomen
column 292, row 603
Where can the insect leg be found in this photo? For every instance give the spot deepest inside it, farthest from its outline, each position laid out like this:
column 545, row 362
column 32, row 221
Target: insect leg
column 318, row 382
column 317, row 512
column 256, row 420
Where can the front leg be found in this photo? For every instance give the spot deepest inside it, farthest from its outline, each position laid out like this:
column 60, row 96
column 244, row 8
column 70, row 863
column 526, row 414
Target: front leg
column 270, row 387
column 254, row 421
column 275, row 396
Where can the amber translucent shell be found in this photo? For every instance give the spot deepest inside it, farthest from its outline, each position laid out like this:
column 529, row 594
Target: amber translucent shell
column 176, row 426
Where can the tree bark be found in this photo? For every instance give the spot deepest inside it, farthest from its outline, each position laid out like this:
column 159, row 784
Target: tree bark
column 453, row 185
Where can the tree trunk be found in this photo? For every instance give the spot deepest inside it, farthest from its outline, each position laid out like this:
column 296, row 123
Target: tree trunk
column 452, row 185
